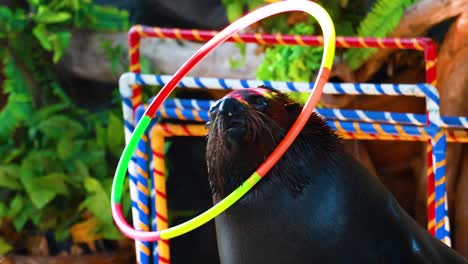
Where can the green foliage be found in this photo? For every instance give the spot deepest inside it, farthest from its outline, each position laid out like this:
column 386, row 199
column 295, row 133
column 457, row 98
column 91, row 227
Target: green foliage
column 103, row 18
column 55, row 158
column 236, row 63
column 292, row 63
column 380, row 21
column 51, row 20
column 347, row 17
column 116, row 55
column 18, row 106
column 345, row 14
column 114, row 140
column 4, row 246
column 97, row 202
column 51, row 179
column 237, row 8
column 286, row 63
column 12, row 21
column 47, row 15
column 8, row 178
column 145, row 64
column 82, row 14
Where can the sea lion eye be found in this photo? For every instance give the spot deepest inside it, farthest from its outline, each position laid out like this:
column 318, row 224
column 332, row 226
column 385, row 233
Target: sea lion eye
column 260, row 103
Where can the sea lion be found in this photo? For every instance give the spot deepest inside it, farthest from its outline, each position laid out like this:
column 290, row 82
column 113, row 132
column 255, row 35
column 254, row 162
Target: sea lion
column 316, row 205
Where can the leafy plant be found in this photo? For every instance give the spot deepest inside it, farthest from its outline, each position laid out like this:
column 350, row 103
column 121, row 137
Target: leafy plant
column 54, row 156
column 347, row 17
column 380, row 21
column 293, row 63
column 287, row 63
column 58, row 170
column 79, row 14
column 115, row 55
column 236, row 63
column 237, row 8
column 18, row 106
column 4, row 246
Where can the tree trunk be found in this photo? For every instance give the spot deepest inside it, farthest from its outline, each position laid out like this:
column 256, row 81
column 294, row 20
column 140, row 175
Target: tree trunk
column 416, row 21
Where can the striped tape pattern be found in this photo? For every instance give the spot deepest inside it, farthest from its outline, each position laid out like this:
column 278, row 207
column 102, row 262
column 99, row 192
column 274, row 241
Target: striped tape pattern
column 160, row 200
column 142, row 202
column 183, row 109
column 418, row 90
column 343, row 119
column 130, row 88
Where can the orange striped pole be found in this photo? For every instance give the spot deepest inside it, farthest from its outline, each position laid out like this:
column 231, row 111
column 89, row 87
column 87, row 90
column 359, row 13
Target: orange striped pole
column 157, row 137
column 457, row 136
column 279, row 39
column 159, row 179
column 430, row 189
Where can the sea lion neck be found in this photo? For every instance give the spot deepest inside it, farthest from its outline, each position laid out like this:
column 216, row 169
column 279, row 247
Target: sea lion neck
column 242, row 136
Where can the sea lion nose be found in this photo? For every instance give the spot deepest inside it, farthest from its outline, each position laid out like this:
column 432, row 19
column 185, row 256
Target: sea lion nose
column 230, row 107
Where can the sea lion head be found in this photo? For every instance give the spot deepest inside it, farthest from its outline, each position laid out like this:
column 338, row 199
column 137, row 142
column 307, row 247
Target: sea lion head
column 245, row 126
column 250, row 120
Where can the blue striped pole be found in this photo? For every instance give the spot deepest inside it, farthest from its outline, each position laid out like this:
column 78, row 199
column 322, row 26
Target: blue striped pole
column 439, row 143
column 142, row 203
column 186, row 107
column 129, row 123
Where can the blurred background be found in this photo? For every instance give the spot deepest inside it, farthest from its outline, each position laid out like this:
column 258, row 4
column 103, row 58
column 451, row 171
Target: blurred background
column 61, row 129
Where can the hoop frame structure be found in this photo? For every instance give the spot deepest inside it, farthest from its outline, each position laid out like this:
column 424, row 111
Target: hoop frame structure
column 126, row 159
column 367, row 128
column 138, row 32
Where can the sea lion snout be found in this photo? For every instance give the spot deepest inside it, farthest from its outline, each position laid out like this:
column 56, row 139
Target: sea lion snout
column 229, row 107
column 229, row 113
column 244, row 115
column 237, row 102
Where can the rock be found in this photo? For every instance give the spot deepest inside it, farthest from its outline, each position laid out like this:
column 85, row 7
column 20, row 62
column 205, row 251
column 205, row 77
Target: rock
column 86, row 58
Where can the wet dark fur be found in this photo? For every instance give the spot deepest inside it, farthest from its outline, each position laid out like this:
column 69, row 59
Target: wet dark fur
column 317, row 205
column 229, row 164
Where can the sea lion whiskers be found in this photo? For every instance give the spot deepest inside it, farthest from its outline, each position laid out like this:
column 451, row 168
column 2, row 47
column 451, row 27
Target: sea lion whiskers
column 259, row 131
column 258, row 123
column 216, row 132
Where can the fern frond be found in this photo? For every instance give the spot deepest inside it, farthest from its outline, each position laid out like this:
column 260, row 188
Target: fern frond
column 58, row 126
column 381, row 20
column 104, row 18
column 18, row 107
column 45, row 113
column 291, row 63
column 38, row 65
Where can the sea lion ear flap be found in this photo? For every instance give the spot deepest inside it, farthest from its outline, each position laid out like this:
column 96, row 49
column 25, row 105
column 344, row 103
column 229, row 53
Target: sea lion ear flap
column 268, row 88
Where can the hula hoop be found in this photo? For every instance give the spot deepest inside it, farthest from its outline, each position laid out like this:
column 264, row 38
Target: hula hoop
column 328, row 30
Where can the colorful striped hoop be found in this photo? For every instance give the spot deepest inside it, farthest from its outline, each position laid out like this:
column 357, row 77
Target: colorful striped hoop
column 139, row 32
column 327, row 60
